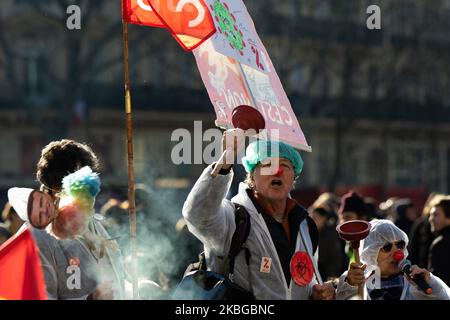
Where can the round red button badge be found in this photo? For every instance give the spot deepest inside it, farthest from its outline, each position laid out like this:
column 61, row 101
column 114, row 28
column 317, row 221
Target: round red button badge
column 74, row 261
column 301, row 268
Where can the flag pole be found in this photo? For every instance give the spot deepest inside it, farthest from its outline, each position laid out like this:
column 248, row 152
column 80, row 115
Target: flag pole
column 131, row 193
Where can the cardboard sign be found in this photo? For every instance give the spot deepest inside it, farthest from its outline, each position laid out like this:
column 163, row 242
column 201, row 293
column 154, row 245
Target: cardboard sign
column 230, row 84
column 236, row 36
column 236, row 69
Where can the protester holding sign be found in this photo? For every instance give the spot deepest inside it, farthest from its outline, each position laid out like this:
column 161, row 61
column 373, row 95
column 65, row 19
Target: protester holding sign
column 282, row 238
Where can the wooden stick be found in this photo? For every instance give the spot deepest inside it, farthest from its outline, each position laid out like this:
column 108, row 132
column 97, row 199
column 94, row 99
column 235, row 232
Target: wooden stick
column 361, row 286
column 313, row 260
column 131, row 193
column 219, row 164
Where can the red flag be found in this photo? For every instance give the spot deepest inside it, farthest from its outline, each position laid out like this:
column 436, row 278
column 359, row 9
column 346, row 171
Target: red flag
column 140, row 12
column 189, row 21
column 21, row 276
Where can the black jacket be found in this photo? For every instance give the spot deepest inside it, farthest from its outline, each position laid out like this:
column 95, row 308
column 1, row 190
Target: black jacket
column 420, row 239
column 439, row 259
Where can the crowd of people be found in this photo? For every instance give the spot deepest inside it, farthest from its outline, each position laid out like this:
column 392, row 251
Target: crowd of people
column 102, row 250
column 290, row 256
column 427, row 229
column 290, row 252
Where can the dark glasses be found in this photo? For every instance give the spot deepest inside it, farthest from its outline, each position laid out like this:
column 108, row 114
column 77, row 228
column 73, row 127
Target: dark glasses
column 399, row 244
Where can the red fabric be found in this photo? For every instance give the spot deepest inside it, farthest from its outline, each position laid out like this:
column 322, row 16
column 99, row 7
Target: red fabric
column 189, row 21
column 21, row 276
column 133, row 13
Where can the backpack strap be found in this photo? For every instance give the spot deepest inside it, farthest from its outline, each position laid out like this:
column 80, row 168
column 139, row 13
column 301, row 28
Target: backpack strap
column 240, row 235
column 242, row 220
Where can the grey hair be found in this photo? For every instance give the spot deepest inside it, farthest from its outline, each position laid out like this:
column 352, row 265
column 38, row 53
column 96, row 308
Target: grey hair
column 249, row 180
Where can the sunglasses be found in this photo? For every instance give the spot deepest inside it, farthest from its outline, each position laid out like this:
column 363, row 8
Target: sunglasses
column 399, row 244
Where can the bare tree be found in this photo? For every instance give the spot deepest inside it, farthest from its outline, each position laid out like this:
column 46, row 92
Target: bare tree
column 73, row 60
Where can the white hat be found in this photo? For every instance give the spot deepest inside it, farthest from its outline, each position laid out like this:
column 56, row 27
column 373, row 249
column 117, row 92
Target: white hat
column 18, row 198
column 381, row 232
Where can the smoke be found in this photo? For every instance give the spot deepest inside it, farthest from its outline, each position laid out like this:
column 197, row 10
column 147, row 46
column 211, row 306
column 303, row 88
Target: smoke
column 70, row 222
column 163, row 251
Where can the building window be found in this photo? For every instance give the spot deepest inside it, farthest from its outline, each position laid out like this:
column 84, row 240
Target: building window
column 351, row 161
column 322, row 10
column 374, row 166
column 408, row 165
column 297, row 82
column 32, row 69
column 30, row 149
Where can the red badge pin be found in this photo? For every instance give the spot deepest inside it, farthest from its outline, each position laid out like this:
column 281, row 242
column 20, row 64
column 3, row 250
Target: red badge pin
column 74, row 261
column 302, row 268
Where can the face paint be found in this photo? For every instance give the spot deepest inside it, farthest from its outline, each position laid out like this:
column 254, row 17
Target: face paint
column 279, row 172
column 70, row 222
column 301, row 268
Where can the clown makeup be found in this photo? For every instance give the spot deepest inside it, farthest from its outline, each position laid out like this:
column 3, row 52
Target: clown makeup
column 387, row 261
column 277, row 185
column 41, row 209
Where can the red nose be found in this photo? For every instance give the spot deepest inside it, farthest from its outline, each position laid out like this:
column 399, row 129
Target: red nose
column 279, row 172
column 398, row 256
